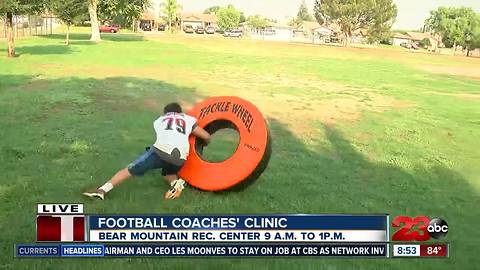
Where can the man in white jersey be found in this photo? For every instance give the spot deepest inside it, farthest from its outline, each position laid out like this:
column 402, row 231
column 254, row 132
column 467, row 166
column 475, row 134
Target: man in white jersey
column 169, row 152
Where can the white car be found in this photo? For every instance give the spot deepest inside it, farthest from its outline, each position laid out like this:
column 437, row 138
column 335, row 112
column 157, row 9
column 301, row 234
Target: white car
column 233, row 33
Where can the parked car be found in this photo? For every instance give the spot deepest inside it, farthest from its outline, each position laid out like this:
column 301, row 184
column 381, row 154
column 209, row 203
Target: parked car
column 210, row 30
column 109, row 28
column 269, row 32
column 233, row 33
column 188, row 29
column 161, row 27
column 199, row 30
column 407, row 45
column 146, row 26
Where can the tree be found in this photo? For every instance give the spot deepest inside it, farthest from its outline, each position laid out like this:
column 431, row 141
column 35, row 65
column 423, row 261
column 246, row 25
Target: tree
column 455, row 25
column 294, row 22
column 213, row 9
column 303, row 14
column 474, row 42
column 170, row 10
column 257, row 22
column 92, row 11
column 228, row 18
column 122, row 12
column 69, row 12
column 242, row 17
column 424, row 43
column 10, row 8
column 376, row 16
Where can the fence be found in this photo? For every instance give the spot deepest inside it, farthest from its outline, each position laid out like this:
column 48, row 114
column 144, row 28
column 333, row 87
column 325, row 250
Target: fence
column 28, row 25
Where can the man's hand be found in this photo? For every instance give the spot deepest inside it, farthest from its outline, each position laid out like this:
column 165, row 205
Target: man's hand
column 206, row 142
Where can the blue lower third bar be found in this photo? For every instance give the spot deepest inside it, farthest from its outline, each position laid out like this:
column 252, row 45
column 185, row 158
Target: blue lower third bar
column 34, row 250
column 82, row 250
column 202, row 250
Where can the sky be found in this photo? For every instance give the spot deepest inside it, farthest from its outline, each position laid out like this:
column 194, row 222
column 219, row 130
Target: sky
column 411, row 13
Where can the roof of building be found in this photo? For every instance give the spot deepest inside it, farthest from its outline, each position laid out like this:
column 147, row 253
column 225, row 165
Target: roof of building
column 323, row 30
column 311, row 25
column 148, row 16
column 401, row 36
column 198, row 17
column 279, row 25
column 417, row 36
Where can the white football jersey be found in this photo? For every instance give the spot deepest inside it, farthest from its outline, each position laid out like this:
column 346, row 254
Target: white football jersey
column 173, row 130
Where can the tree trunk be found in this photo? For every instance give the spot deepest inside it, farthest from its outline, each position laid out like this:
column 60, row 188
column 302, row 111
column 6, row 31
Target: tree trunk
column 92, row 10
column 133, row 25
column 454, row 48
column 347, row 39
column 10, row 35
column 170, row 24
column 67, row 39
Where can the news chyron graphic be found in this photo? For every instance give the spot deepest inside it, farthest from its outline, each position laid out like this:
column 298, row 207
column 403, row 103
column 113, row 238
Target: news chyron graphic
column 65, row 230
column 420, row 229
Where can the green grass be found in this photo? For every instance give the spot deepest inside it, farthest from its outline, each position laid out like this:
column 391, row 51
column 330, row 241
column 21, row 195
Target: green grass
column 354, row 131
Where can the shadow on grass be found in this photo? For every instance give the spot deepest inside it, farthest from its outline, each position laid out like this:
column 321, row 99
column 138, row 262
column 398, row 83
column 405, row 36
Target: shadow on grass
column 301, row 179
column 43, row 49
column 105, row 36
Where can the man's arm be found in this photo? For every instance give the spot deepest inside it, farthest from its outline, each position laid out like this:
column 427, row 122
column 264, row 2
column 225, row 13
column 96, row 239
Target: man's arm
column 201, row 133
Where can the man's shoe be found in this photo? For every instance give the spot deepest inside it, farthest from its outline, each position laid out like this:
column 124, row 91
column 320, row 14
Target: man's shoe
column 99, row 194
column 176, row 190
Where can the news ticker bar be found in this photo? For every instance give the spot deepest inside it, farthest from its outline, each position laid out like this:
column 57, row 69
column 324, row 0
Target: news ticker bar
column 202, row 250
column 374, row 250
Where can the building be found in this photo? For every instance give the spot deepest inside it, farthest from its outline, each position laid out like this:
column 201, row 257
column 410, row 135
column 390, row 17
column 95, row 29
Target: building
column 148, row 21
column 306, row 30
column 435, row 41
column 313, row 32
column 399, row 38
column 198, row 20
column 278, row 32
column 323, row 34
column 151, row 19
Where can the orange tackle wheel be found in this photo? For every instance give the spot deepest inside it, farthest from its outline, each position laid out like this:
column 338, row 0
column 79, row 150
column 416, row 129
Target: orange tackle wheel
column 249, row 159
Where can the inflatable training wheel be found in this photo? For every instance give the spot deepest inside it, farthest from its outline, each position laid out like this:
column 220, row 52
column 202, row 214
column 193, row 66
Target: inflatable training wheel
column 250, row 158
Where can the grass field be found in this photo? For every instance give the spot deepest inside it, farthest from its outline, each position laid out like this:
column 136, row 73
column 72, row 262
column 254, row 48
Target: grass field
column 354, row 131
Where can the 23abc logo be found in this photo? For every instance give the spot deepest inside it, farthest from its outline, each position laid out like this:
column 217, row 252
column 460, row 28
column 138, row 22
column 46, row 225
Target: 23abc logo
column 436, row 228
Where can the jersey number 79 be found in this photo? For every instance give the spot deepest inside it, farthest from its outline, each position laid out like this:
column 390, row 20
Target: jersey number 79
column 180, row 124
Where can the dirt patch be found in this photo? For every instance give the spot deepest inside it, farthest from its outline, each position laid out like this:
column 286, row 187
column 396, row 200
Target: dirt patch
column 460, row 95
column 33, row 85
column 296, row 101
column 152, row 104
column 363, row 136
column 59, row 107
column 299, row 114
column 452, row 70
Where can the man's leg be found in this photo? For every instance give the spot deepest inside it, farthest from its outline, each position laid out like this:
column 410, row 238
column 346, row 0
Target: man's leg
column 117, row 179
column 171, row 177
column 143, row 164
